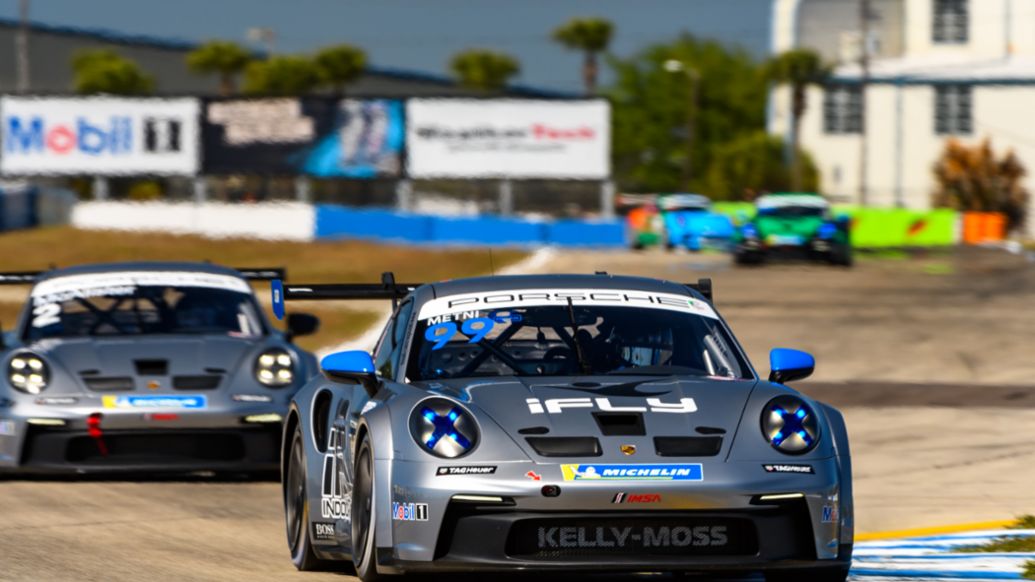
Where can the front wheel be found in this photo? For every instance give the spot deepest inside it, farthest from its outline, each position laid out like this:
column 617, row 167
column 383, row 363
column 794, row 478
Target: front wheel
column 296, row 509
column 364, row 514
column 830, row 574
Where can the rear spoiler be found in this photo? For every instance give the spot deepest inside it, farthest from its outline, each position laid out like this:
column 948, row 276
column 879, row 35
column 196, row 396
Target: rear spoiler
column 250, row 273
column 387, row 289
column 704, row 287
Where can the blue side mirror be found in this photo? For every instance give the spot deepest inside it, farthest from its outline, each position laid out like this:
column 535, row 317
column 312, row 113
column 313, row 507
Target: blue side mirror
column 351, row 366
column 787, row 365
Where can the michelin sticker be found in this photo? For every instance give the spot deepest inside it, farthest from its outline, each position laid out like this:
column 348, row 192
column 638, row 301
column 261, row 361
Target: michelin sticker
column 155, row 401
column 649, row 472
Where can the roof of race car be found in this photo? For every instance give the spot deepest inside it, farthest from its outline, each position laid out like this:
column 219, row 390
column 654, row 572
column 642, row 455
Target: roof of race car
column 508, row 282
column 143, row 266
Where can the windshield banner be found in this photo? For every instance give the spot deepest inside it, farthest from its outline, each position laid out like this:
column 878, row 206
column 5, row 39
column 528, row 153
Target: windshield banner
column 123, row 283
column 470, row 305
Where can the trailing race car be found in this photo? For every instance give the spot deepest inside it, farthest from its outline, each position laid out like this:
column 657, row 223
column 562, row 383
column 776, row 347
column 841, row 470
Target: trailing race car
column 146, row 366
column 799, row 225
column 691, row 223
column 561, row 422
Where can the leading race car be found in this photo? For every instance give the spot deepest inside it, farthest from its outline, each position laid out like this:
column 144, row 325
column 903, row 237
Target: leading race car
column 562, row 422
column 146, row 366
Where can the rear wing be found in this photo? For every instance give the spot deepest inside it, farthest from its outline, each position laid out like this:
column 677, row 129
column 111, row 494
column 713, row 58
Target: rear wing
column 249, row 273
column 387, row 289
column 704, row 287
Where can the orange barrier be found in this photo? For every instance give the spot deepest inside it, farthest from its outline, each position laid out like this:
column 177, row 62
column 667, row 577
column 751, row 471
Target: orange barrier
column 981, row 227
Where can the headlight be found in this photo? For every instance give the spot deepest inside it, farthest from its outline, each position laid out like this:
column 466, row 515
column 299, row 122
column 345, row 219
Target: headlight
column 790, row 425
column 28, row 373
column 443, row 428
column 274, row 368
column 749, row 231
column 826, row 230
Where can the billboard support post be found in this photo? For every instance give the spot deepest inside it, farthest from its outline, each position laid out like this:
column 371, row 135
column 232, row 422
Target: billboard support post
column 200, row 188
column 100, row 188
column 403, row 195
column 506, row 197
column 607, row 199
column 303, row 189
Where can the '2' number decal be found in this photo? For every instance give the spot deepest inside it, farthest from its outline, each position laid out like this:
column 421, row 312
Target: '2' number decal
column 475, row 329
column 46, row 314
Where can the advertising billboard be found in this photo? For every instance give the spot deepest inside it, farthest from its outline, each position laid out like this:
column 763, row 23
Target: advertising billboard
column 508, row 138
column 321, row 137
column 98, row 136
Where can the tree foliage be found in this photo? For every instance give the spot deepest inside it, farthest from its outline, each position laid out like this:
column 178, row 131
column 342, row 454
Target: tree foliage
column 591, row 36
column 281, row 75
column 105, row 71
column 797, row 68
column 651, row 106
column 224, row 58
column 973, row 178
column 340, row 65
column 754, row 164
column 483, row 70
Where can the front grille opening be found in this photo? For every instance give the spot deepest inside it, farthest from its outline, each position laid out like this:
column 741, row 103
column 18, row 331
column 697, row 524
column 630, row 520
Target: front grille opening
column 620, row 423
column 565, row 446
column 152, row 367
column 687, row 446
column 167, row 447
column 109, row 384
column 200, row 382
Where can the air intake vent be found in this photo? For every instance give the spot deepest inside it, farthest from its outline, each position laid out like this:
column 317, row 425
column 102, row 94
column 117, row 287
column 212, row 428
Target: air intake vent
column 620, row 423
column 152, row 367
column 687, row 446
column 109, row 384
column 206, row 382
column 565, row 446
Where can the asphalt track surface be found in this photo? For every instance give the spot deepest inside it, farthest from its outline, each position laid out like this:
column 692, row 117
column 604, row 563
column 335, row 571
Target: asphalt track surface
column 928, row 357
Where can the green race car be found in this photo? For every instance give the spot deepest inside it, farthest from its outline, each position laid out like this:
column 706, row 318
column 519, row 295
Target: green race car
column 794, row 225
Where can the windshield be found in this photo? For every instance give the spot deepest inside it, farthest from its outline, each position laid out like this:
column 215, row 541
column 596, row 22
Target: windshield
column 599, row 332
column 793, row 211
column 124, row 304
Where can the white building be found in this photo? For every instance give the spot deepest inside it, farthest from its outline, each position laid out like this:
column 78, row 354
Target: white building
column 939, row 69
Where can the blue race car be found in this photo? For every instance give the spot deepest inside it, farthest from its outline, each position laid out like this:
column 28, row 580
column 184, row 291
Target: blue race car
column 691, row 223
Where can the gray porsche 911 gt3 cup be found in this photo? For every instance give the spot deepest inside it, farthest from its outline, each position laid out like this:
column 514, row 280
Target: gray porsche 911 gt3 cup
column 562, row 422
column 146, row 366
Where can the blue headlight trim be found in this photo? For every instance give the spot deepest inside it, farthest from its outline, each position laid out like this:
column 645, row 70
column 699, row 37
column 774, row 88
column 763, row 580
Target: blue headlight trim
column 445, row 426
column 749, row 231
column 826, row 230
column 790, row 425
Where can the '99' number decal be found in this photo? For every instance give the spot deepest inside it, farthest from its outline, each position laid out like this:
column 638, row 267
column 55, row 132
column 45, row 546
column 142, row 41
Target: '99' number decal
column 475, row 329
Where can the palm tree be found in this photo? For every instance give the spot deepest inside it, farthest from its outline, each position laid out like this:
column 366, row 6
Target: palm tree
column 105, row 71
column 339, row 65
column 798, row 68
column 591, row 36
column 286, row 75
column 225, row 58
column 483, row 70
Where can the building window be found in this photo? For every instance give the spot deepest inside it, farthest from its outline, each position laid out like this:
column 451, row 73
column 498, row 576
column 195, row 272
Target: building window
column 842, row 109
column 952, row 110
column 951, row 21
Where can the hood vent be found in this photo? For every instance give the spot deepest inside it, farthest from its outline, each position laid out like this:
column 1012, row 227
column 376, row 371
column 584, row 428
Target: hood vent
column 109, row 384
column 620, row 423
column 565, row 446
column 205, row 382
column 687, row 446
column 152, row 367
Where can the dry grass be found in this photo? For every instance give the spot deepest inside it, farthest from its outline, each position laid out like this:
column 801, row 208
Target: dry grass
column 318, row 262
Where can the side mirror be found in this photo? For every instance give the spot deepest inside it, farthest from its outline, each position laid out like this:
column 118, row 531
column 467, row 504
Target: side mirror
column 351, row 366
column 299, row 324
column 789, row 365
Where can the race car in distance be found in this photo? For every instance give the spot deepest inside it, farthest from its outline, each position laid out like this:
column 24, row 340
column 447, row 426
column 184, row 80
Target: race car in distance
column 146, row 367
column 561, row 422
column 800, row 225
column 690, row 223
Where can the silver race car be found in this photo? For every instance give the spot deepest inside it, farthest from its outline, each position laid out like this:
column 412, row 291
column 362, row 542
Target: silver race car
column 146, row 366
column 561, row 422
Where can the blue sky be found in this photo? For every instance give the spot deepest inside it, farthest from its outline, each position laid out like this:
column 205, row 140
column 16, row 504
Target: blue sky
column 422, row 34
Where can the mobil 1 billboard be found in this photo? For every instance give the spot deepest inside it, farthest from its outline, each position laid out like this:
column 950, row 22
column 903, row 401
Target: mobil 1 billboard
column 508, row 138
column 315, row 136
column 99, row 136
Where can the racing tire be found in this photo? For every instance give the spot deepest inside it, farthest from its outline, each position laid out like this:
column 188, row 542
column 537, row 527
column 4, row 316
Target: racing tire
column 364, row 522
column 296, row 510
column 841, row 256
column 830, row 574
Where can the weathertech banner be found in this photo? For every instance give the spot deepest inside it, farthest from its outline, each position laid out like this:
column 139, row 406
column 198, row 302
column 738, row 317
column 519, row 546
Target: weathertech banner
column 98, row 136
column 508, row 138
column 316, row 136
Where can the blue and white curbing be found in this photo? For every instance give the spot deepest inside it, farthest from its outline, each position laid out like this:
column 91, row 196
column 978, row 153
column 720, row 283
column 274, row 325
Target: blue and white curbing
column 938, row 558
